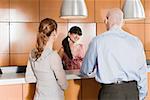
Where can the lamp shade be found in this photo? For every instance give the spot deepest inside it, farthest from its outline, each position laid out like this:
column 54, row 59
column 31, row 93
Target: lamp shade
column 73, row 9
column 133, row 10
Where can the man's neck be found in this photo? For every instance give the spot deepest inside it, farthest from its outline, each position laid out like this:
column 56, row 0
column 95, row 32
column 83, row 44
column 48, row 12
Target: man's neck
column 115, row 27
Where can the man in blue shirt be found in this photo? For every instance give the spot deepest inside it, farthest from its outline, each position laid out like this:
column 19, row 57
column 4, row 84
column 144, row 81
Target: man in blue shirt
column 118, row 62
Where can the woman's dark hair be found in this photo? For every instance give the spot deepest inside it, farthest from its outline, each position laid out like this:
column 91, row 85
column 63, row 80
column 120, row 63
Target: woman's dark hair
column 75, row 30
column 65, row 42
column 42, row 37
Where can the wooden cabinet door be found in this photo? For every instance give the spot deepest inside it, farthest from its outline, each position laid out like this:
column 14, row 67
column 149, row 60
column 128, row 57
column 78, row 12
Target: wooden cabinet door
column 24, row 10
column 11, row 92
column 147, row 36
column 73, row 91
column 147, row 11
column 90, row 89
column 4, row 40
column 28, row 91
column 51, row 9
column 102, row 7
column 147, row 55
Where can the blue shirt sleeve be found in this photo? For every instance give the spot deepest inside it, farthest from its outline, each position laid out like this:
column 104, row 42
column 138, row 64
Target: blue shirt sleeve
column 142, row 83
column 89, row 61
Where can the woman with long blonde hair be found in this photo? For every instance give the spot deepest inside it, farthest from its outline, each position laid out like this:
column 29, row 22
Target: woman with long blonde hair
column 45, row 66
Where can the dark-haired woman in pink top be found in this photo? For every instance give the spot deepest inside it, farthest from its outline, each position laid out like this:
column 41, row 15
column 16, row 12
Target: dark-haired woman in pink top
column 72, row 52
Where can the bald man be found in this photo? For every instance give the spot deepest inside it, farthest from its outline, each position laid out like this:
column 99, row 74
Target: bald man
column 118, row 62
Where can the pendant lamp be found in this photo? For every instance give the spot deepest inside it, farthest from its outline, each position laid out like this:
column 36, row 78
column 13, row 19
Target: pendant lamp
column 133, row 10
column 73, row 9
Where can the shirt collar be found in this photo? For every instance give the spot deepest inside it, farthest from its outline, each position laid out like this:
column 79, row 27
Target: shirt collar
column 115, row 28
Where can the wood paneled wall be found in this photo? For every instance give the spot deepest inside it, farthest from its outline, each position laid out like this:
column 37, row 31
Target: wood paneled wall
column 19, row 20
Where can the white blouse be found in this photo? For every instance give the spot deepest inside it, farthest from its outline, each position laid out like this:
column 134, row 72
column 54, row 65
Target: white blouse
column 48, row 73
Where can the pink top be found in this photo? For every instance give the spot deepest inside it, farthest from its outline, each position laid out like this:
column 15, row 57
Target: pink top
column 78, row 55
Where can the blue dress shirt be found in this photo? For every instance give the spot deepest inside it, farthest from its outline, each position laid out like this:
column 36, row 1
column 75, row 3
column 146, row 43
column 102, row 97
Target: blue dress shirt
column 114, row 56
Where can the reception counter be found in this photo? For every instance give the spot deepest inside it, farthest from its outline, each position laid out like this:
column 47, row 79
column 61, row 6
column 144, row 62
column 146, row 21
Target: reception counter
column 14, row 87
column 19, row 78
